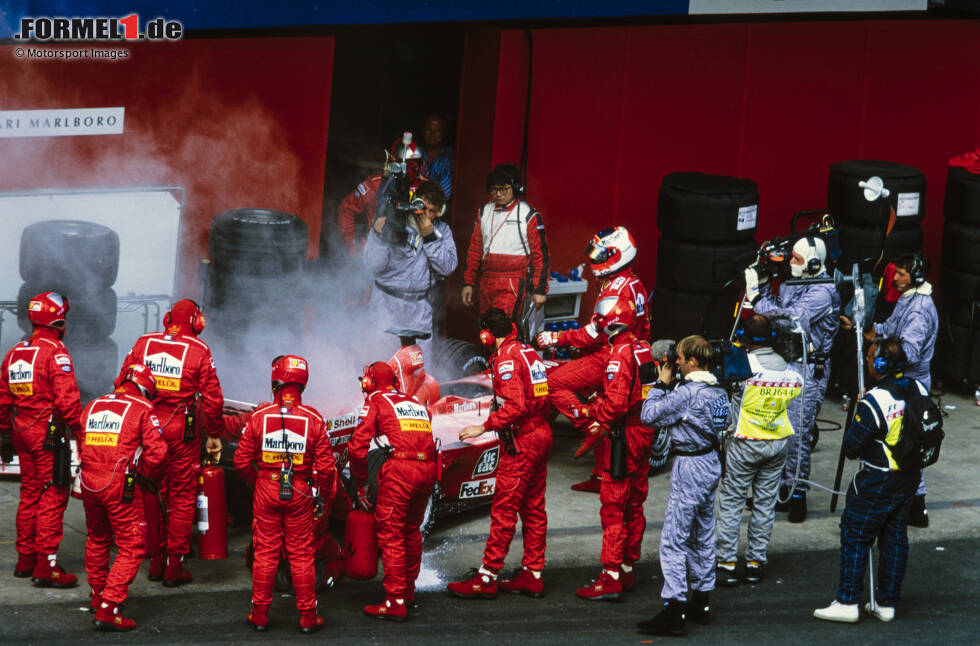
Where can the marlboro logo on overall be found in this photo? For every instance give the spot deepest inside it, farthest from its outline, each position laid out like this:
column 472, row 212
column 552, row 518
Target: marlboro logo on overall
column 105, row 421
column 20, row 373
column 539, row 378
column 412, row 417
column 275, row 443
column 165, row 359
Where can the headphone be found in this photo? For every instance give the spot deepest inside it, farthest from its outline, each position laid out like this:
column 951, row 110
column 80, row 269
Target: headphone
column 197, row 319
column 368, row 385
column 918, row 269
column 512, row 175
column 885, row 361
column 760, row 340
column 814, row 264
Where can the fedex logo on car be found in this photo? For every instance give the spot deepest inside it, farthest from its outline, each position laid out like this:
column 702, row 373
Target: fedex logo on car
column 165, row 359
column 477, row 488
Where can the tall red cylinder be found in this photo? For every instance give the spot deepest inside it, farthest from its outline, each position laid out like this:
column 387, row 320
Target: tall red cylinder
column 212, row 514
column 361, row 543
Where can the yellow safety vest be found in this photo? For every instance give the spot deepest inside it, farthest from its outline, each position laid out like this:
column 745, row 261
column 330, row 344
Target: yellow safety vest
column 767, row 394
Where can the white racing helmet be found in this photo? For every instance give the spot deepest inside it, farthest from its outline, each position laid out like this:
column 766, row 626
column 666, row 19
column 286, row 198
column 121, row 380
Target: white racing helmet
column 610, row 251
column 813, row 250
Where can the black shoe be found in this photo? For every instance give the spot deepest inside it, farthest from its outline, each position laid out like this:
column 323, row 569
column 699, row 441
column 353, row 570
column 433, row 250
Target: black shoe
column 725, row 577
column 698, row 609
column 754, row 571
column 918, row 514
column 668, row 622
column 797, row 507
column 782, row 495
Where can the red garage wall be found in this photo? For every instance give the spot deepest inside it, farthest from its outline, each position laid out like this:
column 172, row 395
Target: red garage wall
column 615, row 109
column 236, row 122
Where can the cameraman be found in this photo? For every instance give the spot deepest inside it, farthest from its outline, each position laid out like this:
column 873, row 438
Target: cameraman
column 817, row 309
column 405, row 270
column 756, row 453
column 880, row 497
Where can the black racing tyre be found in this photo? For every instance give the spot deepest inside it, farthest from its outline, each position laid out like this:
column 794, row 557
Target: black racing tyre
column 676, row 315
column 962, row 200
column 707, row 208
column 430, row 514
column 77, row 256
column 700, row 268
column 257, row 242
column 464, row 389
column 961, row 247
column 859, row 243
column 846, row 202
column 660, row 453
column 960, row 296
column 90, row 316
column 96, row 365
column 453, row 358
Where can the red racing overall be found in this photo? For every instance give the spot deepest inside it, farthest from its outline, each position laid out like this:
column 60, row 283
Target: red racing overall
column 38, row 382
column 520, row 388
column 114, row 428
column 405, row 482
column 276, row 434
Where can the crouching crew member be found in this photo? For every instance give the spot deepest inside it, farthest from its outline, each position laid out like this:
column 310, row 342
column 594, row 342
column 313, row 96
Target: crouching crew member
column 285, row 454
column 184, row 372
column 694, row 413
column 880, row 496
column 624, row 485
column 122, row 442
column 38, row 395
column 405, row 482
column 756, row 453
column 520, row 388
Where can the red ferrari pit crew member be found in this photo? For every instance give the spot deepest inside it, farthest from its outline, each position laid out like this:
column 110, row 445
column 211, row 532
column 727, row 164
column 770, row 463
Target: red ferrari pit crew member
column 121, row 437
column 611, row 253
column 184, row 371
column 284, row 453
column 618, row 409
column 520, row 387
column 360, row 205
column 38, row 389
column 405, row 482
column 508, row 251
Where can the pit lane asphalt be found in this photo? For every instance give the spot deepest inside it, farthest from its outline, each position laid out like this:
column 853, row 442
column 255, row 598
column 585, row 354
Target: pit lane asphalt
column 939, row 597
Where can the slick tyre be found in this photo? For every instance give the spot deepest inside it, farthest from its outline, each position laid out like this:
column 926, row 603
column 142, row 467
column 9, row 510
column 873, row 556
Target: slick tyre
column 96, row 365
column 961, row 247
column 859, row 243
column 958, row 353
column 846, row 201
column 960, row 296
column 679, row 314
column 707, row 208
column 962, row 200
column 74, row 255
column 700, row 268
column 90, row 316
column 257, row 242
column 454, row 358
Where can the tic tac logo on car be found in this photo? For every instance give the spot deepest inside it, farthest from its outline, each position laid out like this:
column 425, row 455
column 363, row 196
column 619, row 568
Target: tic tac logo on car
column 539, row 378
column 104, row 422
column 412, row 416
column 487, row 463
column 477, row 488
column 165, row 359
column 278, row 441
column 20, row 371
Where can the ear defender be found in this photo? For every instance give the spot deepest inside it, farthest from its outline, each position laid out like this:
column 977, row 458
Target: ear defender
column 487, row 338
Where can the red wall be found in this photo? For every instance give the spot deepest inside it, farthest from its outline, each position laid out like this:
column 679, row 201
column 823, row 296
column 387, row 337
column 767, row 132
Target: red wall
column 615, row 109
column 236, row 122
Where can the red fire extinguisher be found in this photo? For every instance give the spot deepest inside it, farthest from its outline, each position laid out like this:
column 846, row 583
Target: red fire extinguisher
column 361, row 543
column 211, row 513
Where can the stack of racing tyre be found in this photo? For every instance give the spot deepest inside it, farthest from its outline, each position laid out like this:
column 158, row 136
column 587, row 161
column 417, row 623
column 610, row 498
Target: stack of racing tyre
column 862, row 224
column 79, row 260
column 707, row 237
column 959, row 336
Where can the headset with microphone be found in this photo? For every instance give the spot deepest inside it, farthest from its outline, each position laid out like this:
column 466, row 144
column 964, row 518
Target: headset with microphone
column 369, row 383
column 510, row 175
column 196, row 321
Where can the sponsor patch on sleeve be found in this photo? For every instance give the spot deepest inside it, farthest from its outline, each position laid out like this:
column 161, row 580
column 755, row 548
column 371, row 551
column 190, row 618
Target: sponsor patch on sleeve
column 611, row 370
column 66, row 368
column 62, row 359
column 506, row 376
column 361, row 189
column 505, row 366
column 618, row 282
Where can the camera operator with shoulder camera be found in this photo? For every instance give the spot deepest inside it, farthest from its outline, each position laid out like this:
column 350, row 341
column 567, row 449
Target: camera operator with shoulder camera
column 816, row 307
column 406, row 260
column 756, row 453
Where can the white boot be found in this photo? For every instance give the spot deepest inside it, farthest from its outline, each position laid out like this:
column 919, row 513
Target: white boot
column 884, row 613
column 843, row 612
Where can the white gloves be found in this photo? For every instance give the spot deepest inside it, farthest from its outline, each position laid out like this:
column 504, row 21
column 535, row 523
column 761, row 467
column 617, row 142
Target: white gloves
column 547, row 339
column 751, row 285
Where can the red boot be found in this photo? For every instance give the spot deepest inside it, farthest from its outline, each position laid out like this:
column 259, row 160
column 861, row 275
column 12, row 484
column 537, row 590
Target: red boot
column 627, row 579
column 309, row 621
column 48, row 574
column 258, row 617
column 95, row 599
column 176, row 574
column 25, row 565
column 391, row 609
column 479, row 586
column 524, row 583
column 107, row 617
column 605, row 588
column 588, row 486
column 158, row 565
